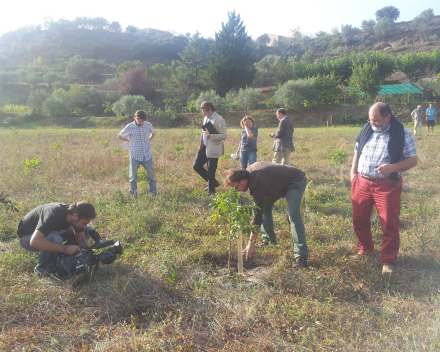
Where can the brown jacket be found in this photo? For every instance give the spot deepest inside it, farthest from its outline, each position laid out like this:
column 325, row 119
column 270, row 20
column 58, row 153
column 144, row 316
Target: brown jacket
column 270, row 179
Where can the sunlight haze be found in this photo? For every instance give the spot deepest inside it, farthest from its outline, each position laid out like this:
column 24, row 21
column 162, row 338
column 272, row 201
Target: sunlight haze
column 275, row 17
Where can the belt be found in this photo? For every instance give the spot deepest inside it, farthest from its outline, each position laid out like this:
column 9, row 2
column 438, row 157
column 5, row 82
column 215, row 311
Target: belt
column 372, row 178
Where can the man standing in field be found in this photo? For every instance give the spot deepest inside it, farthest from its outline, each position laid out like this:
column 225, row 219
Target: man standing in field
column 56, row 228
column 140, row 133
column 431, row 114
column 211, row 146
column 384, row 150
column 283, row 144
column 268, row 182
column 417, row 116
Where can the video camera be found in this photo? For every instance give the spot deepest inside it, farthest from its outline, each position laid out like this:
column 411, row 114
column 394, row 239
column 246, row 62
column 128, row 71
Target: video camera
column 87, row 260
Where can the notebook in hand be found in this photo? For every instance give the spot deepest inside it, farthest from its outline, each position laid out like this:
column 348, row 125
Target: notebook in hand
column 210, row 127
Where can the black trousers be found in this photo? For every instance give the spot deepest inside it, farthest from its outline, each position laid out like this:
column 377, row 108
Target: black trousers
column 207, row 175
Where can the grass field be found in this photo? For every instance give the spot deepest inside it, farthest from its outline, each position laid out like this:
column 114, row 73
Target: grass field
column 169, row 291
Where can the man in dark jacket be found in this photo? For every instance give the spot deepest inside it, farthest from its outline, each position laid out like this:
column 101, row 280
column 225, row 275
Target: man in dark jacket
column 268, row 182
column 283, row 143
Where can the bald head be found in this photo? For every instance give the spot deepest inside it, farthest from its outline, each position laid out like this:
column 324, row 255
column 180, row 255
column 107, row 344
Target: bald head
column 383, row 109
column 379, row 116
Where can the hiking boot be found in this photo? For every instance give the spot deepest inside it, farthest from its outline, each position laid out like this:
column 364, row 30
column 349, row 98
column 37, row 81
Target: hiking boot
column 388, row 269
column 300, row 262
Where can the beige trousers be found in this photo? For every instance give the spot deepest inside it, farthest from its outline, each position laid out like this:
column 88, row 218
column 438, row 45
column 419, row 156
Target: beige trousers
column 281, row 157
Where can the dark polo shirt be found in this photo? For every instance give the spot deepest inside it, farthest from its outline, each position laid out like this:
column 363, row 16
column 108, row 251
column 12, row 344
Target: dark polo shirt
column 270, row 179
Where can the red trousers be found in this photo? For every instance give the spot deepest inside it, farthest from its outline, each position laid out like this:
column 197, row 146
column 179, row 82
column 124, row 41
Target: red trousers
column 386, row 198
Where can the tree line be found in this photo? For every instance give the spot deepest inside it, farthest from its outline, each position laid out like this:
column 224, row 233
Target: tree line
column 226, row 69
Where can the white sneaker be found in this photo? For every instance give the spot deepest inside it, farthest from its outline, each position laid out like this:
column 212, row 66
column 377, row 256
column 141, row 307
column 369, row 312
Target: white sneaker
column 388, row 269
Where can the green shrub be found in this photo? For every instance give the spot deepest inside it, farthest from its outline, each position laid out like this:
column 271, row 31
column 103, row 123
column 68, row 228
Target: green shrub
column 129, row 104
column 210, row 95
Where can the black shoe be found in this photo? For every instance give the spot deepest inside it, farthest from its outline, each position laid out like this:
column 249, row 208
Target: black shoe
column 217, row 184
column 300, row 262
column 40, row 272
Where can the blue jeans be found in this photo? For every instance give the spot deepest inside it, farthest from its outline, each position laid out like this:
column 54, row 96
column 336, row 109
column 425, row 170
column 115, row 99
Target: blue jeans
column 294, row 195
column 47, row 260
column 245, row 157
column 148, row 166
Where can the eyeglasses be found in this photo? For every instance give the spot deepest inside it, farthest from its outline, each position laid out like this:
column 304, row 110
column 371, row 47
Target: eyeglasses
column 376, row 123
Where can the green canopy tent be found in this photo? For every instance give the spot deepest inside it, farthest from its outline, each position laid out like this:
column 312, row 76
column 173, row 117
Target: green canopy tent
column 395, row 89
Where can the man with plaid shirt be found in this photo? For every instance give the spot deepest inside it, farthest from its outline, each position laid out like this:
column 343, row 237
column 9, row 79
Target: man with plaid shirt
column 140, row 133
column 384, row 150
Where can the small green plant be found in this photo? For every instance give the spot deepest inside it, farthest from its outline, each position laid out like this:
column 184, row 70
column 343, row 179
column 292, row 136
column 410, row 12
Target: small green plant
column 52, row 158
column 38, row 134
column 338, row 157
column 15, row 133
column 105, row 144
column 31, row 164
column 264, row 151
column 169, row 268
column 56, row 145
column 232, row 217
column 116, row 150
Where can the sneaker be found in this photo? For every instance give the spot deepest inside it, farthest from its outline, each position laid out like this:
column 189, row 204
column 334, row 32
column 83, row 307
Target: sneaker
column 40, row 272
column 300, row 262
column 388, row 269
column 360, row 255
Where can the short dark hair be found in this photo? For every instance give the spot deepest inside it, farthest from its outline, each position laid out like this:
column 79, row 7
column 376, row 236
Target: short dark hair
column 140, row 114
column 236, row 175
column 207, row 105
column 384, row 109
column 84, row 209
column 282, row 111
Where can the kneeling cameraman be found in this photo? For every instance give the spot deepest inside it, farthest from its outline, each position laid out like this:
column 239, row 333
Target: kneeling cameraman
column 56, row 228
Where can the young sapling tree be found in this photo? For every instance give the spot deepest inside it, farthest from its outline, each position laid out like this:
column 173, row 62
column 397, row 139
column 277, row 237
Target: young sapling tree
column 338, row 157
column 233, row 219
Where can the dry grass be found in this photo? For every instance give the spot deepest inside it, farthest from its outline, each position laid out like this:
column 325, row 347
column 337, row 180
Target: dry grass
column 138, row 304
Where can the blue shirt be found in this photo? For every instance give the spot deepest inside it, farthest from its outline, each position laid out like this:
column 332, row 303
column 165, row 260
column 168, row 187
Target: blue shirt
column 375, row 152
column 139, row 140
column 249, row 145
column 431, row 113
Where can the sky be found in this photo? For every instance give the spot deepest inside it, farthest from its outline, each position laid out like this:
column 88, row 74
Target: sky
column 181, row 17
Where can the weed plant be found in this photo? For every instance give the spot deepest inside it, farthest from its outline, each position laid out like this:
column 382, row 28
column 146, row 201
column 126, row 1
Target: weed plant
column 166, row 293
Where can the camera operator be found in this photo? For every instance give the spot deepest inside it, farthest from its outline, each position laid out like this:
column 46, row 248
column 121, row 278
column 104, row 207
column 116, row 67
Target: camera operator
column 56, row 228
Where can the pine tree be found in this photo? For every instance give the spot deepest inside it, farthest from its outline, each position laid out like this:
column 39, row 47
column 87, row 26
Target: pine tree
column 192, row 72
column 232, row 57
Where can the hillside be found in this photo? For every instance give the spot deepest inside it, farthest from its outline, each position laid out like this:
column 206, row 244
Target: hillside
column 61, row 41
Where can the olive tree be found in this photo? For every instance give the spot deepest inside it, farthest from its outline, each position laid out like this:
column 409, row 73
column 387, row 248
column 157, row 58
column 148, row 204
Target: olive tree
column 128, row 104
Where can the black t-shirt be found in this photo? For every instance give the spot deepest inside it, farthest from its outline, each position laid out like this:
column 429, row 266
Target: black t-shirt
column 46, row 218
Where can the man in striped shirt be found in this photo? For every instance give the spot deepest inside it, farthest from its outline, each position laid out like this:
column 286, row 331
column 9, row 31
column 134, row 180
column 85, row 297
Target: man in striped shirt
column 139, row 133
column 384, row 150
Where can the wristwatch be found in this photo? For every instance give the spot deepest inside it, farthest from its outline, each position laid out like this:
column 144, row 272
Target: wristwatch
column 254, row 241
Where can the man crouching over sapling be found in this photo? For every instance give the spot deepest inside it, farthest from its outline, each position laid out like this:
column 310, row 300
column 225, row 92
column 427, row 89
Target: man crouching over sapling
column 268, row 182
column 56, row 228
